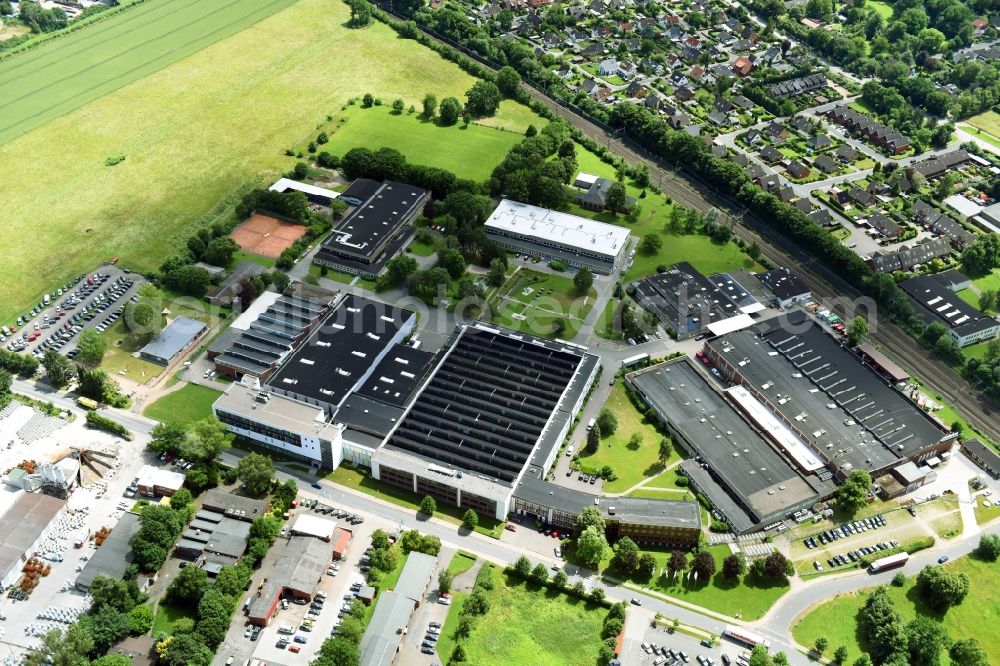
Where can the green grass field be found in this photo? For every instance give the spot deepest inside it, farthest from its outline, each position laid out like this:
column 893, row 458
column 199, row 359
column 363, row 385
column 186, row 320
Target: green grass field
column 194, row 133
column 165, row 616
column 527, row 625
column 46, row 82
column 551, row 296
column 190, row 403
column 705, row 255
column 837, row 619
column 118, row 357
column 884, row 10
column 469, row 152
column 632, row 465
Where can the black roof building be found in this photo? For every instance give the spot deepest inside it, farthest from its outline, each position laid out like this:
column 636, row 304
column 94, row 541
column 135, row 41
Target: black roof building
column 785, row 285
column 846, row 413
column 795, row 87
column 341, row 354
column 983, row 455
column 397, row 376
column 686, row 301
column 935, row 302
column 360, row 191
column 375, row 231
column 907, row 257
column 488, row 403
column 742, row 475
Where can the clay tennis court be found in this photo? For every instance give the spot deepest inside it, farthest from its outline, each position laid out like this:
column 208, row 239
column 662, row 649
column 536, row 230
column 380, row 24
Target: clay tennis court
column 267, row 236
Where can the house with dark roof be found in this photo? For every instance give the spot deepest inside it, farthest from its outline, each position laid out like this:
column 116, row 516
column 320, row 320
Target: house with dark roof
column 819, row 142
column 771, row 155
column 875, row 131
column 847, row 153
column 797, row 169
column 777, row 131
column 826, row 164
column 595, row 197
column 804, row 205
column 860, row 196
column 796, row 87
column 822, row 217
column 885, row 226
column 801, row 125
column 935, row 167
column 907, row 257
column 786, row 286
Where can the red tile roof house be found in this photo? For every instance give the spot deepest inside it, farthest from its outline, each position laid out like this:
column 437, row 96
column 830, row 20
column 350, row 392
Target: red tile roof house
column 742, row 66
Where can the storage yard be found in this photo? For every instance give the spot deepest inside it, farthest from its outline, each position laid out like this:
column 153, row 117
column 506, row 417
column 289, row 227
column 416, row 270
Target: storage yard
column 38, row 452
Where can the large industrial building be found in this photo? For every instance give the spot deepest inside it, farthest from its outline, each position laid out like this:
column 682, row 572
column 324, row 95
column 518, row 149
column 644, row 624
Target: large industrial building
column 113, row 557
column 934, row 301
column 339, row 392
column 577, row 241
column 496, row 407
column 789, row 414
column 375, row 231
column 381, row 640
column 744, row 478
column 688, row 304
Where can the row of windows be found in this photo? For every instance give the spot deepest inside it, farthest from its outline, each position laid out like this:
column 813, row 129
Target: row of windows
column 437, row 490
column 559, row 246
column 480, row 504
column 396, row 477
column 259, row 428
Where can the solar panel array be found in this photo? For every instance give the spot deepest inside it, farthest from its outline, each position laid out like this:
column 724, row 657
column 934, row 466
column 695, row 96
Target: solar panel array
column 487, row 404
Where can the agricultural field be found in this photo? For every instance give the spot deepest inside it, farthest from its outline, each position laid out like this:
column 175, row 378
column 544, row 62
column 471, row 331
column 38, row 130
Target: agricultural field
column 194, row 135
column 59, row 77
column 988, row 125
column 469, row 152
column 836, row 618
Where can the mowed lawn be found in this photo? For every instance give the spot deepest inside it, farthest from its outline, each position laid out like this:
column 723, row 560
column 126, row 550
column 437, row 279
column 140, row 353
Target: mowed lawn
column 469, row 152
column 631, row 464
column 185, row 405
column 192, row 134
column 44, row 83
column 528, row 625
column 975, row 617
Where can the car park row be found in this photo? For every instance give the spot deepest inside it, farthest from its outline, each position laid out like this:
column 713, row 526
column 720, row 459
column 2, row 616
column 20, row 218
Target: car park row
column 845, row 530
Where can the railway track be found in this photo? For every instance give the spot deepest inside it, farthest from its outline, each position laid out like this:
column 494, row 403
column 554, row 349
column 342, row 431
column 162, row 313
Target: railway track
column 981, row 411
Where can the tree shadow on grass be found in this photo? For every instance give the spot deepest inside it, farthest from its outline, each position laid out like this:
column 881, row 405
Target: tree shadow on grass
column 921, row 606
column 654, row 469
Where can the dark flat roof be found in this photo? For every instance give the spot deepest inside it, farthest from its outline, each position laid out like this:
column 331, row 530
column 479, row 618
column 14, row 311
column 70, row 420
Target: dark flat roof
column 743, row 461
column 339, row 353
column 783, row 283
column 840, row 404
column 488, row 401
column 362, row 189
column 936, row 302
column 363, row 233
column 397, row 376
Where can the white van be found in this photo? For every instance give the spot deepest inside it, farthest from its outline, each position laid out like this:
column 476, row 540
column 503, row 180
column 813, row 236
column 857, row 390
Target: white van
column 569, row 451
column 590, row 425
column 46, row 300
column 286, row 629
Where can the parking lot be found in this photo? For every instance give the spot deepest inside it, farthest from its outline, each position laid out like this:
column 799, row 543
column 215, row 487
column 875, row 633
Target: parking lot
column 647, row 644
column 94, row 300
column 26, row 434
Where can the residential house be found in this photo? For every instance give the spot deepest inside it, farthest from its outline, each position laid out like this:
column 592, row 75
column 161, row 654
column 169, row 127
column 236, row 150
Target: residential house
column 804, row 205
column 907, row 257
column 718, row 118
column 684, row 94
column 777, row 131
column 723, row 104
column 796, row 87
column 801, row 125
column 822, row 217
column 936, row 167
column 697, row 72
column 719, row 151
column 690, row 53
column 883, row 136
column 826, row 164
column 819, row 142
column 743, row 102
column 608, row 67
column 653, row 101
column 860, row 196
column 742, row 66
column 752, row 137
column 798, row 170
column 636, row 90
column 679, row 121
column 770, row 154
column 846, row 153
column 786, row 193
column 885, row 226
